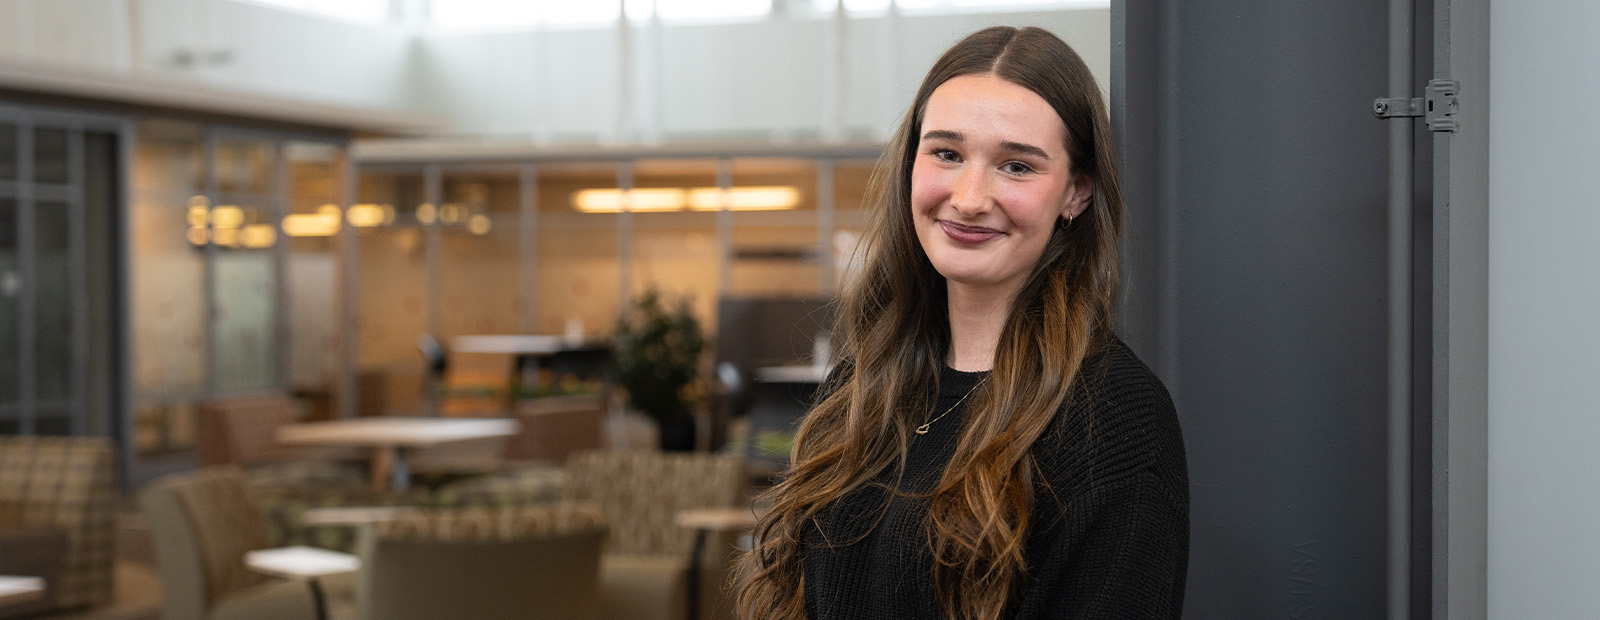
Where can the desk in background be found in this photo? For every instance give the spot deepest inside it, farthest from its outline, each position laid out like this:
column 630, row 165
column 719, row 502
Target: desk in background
column 391, row 437
column 585, row 359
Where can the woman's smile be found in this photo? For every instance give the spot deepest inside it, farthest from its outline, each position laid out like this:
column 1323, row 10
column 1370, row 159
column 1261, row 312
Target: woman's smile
column 968, row 235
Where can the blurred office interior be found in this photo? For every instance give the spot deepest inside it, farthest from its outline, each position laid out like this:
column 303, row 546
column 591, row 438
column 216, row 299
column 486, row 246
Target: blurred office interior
column 1377, row 339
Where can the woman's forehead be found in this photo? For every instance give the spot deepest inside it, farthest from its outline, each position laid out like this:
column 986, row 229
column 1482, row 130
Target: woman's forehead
column 985, row 108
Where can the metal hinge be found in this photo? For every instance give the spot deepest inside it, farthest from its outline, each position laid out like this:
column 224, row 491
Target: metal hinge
column 1438, row 107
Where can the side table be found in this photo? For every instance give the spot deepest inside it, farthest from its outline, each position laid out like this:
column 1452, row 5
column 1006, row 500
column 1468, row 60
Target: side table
column 308, row 564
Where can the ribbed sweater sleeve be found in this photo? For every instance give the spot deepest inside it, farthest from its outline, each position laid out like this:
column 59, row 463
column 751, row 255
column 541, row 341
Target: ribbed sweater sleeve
column 1111, row 536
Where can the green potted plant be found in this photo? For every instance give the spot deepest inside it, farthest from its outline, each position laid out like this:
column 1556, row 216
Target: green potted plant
column 657, row 362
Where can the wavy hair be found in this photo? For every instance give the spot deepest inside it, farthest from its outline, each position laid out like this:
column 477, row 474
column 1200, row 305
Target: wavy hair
column 892, row 336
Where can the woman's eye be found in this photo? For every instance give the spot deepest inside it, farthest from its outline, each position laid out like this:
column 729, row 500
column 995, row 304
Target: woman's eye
column 945, row 155
column 1016, row 167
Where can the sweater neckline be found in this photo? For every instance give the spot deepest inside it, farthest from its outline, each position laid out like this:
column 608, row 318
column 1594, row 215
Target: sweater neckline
column 956, row 383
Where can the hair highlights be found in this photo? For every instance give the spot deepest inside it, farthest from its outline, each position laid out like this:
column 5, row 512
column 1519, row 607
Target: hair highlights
column 892, row 337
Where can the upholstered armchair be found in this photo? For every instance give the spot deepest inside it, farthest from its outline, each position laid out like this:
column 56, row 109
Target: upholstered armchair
column 202, row 523
column 526, row 563
column 57, row 495
column 644, row 572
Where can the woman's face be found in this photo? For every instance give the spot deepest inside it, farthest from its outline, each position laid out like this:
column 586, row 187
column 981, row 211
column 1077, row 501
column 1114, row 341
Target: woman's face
column 990, row 180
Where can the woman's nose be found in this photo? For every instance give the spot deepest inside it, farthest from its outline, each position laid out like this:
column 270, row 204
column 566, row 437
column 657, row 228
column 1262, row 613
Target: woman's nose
column 970, row 194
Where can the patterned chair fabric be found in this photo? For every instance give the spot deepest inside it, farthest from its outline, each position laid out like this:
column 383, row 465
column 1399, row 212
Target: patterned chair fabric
column 226, row 523
column 642, row 493
column 521, row 487
column 283, row 506
column 490, row 525
column 483, row 564
column 202, row 523
column 66, row 484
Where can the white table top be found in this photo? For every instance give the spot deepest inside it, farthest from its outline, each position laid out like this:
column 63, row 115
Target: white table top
column 301, row 563
column 797, row 373
column 354, row 515
column 17, row 588
column 717, row 518
column 523, row 344
column 394, row 431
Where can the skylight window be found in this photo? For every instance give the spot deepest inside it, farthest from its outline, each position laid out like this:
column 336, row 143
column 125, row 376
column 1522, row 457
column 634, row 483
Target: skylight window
column 953, row 6
column 372, row 11
column 477, row 14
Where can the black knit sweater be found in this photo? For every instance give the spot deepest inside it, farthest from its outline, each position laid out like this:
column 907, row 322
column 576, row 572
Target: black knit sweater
column 1109, row 530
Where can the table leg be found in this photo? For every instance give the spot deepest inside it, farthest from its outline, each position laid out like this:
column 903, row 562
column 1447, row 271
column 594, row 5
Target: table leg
column 400, row 474
column 694, row 573
column 382, row 463
column 317, row 599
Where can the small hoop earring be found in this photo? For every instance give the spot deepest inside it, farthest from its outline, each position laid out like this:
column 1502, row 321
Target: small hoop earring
column 1064, row 223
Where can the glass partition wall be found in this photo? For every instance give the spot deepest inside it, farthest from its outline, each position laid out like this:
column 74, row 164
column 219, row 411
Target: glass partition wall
column 560, row 247
column 59, row 336
column 233, row 275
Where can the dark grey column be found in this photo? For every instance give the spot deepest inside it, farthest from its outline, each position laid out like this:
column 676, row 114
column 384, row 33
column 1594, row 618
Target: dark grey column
column 1257, row 182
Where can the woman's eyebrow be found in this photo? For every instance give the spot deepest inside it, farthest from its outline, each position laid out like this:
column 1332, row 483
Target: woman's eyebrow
column 1014, row 147
column 1026, row 149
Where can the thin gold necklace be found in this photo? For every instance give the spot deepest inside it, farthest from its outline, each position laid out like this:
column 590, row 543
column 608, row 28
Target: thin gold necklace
column 923, row 430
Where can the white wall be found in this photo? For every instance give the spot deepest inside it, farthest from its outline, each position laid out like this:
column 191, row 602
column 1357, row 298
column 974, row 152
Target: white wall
column 762, row 78
column 1544, row 310
column 269, row 51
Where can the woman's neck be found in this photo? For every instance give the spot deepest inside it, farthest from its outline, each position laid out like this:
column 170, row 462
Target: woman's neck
column 976, row 318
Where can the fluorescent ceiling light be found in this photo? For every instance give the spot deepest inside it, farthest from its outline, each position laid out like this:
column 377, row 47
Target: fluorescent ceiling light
column 744, row 198
column 674, row 199
column 323, row 223
column 368, row 215
column 636, row 200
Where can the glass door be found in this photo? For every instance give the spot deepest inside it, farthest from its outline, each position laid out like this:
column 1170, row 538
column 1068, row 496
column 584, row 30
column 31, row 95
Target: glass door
column 58, row 175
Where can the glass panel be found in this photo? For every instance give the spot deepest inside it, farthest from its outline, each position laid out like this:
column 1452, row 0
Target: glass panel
column 244, row 167
column 53, row 311
column 167, row 239
column 775, row 241
column 480, row 283
column 312, row 272
column 243, row 323
column 392, row 300
column 675, row 252
column 481, row 276
column 577, row 259
column 850, row 216
column 10, row 301
column 49, row 155
column 8, row 152
column 168, row 157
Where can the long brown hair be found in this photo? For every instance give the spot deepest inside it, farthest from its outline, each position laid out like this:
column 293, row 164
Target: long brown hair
column 893, row 334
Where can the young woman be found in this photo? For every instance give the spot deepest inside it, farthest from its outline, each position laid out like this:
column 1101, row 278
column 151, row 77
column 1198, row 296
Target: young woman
column 985, row 447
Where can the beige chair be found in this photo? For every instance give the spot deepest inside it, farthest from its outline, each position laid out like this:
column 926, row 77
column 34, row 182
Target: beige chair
column 644, row 572
column 55, row 489
column 554, row 428
column 529, row 563
column 242, row 430
column 202, row 523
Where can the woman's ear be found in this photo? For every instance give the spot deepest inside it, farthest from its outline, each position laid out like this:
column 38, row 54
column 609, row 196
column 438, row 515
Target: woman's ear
column 1079, row 196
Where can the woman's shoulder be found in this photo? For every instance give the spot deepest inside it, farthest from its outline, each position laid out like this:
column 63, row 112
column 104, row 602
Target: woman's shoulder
column 1117, row 420
column 1114, row 379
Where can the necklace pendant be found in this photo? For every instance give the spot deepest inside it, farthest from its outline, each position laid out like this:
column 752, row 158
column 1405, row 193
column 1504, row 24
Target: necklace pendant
column 923, row 430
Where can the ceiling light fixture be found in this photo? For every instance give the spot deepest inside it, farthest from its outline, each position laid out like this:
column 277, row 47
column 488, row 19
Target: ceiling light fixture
column 764, row 198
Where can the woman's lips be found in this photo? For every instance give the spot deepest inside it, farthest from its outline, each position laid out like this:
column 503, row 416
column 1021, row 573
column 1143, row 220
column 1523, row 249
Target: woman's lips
column 971, row 235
